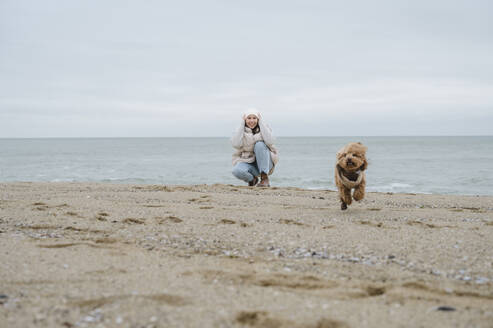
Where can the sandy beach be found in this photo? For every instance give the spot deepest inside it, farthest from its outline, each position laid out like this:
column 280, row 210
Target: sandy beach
column 104, row 255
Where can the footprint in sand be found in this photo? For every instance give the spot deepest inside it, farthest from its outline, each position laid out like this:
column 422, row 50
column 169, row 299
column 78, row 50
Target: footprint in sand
column 428, row 225
column 375, row 290
column 264, row 319
column 372, row 224
column 40, row 206
column 258, row 319
column 168, row 299
column 73, row 214
column 274, row 280
column 472, row 209
column 133, row 221
column 40, row 227
column 227, row 221
column 170, row 218
column 96, row 231
column 289, row 221
column 102, row 216
column 155, row 188
column 72, row 244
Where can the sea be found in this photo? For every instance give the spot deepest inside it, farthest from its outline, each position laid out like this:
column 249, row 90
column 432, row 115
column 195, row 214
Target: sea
column 430, row 165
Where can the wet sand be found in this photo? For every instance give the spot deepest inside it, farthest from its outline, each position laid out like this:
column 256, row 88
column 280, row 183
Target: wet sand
column 103, row 255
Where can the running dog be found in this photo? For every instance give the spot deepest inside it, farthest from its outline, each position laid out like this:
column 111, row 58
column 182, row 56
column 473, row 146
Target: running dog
column 349, row 173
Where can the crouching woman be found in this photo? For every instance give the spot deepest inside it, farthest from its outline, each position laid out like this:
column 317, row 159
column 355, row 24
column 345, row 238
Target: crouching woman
column 255, row 155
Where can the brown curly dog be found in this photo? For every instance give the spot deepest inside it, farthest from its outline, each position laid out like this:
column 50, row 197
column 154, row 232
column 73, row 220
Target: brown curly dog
column 349, row 172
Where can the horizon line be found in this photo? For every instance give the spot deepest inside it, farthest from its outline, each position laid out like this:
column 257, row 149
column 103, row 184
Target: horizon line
column 282, row 136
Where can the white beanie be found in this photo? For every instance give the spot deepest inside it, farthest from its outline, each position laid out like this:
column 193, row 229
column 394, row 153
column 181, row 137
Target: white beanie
column 251, row 111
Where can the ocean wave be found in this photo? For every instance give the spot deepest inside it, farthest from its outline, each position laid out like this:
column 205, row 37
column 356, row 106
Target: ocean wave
column 395, row 186
column 303, row 165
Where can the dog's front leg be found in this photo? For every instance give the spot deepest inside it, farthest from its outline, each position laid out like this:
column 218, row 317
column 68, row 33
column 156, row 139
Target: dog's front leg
column 359, row 191
column 345, row 196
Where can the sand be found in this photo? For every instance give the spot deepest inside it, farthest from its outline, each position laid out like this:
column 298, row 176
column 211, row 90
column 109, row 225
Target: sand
column 104, row 255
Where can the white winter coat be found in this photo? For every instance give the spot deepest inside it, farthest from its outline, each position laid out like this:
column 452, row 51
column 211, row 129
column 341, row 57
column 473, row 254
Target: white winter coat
column 243, row 140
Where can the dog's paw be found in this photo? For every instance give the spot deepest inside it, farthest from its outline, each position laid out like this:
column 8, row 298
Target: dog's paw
column 343, row 206
column 358, row 195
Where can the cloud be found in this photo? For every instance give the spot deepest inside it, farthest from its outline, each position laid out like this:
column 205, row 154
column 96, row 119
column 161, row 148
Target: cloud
column 165, row 68
column 391, row 95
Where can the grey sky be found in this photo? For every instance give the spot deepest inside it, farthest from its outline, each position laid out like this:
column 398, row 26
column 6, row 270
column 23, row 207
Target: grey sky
column 189, row 68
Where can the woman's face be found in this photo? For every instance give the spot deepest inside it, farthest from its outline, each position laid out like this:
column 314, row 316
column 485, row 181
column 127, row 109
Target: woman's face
column 251, row 121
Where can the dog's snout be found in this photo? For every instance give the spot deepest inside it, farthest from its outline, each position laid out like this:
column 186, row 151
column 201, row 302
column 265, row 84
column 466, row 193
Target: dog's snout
column 349, row 160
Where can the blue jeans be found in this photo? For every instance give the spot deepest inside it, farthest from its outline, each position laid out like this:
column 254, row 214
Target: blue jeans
column 263, row 164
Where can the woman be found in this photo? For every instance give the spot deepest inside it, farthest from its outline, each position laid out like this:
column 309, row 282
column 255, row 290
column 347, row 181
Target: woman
column 255, row 153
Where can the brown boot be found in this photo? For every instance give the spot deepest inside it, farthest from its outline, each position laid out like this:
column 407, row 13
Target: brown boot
column 264, row 180
column 253, row 182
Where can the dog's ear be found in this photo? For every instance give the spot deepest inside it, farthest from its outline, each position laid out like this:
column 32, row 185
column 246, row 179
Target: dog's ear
column 364, row 166
column 341, row 152
column 362, row 146
column 339, row 169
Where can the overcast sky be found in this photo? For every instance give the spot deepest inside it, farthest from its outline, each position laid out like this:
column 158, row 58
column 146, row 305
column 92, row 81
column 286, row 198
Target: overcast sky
column 145, row 68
